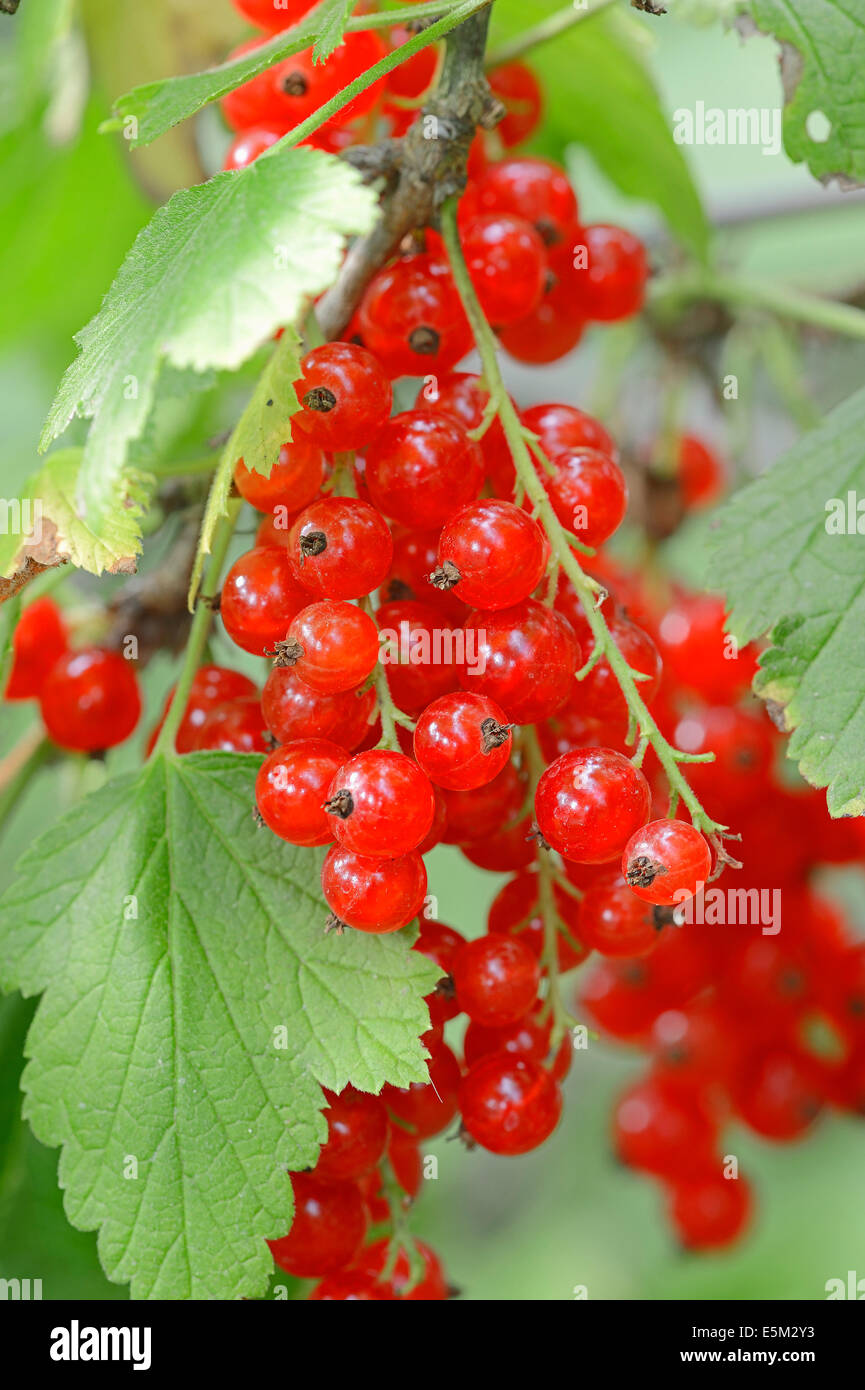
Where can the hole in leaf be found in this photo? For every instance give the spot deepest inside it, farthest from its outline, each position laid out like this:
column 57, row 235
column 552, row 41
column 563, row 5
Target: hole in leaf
column 818, row 127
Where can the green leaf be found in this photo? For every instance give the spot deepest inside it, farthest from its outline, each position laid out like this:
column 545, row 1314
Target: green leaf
column 215, row 273
column 259, row 435
column 52, row 531
column 600, row 96
column 331, row 18
column 192, row 1005
column 786, row 573
column 823, row 72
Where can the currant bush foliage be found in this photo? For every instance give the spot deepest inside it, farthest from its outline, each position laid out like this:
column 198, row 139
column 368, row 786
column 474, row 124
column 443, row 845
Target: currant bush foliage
column 822, row 65
column 191, row 1007
column 787, row 571
column 274, row 232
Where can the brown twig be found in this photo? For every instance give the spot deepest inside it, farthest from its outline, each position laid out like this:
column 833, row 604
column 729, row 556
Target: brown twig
column 427, row 166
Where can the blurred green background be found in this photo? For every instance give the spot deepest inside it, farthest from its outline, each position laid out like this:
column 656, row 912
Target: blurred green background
column 70, row 203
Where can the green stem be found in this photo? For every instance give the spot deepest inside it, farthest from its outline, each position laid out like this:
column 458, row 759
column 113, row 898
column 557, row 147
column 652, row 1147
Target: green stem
column 185, row 468
column 671, row 292
column 543, row 31
column 561, row 1019
column 454, row 17
column 30, row 755
column 200, row 629
column 585, row 588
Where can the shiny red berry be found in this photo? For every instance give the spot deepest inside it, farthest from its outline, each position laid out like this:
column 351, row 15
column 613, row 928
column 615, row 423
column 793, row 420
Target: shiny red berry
column 563, row 427
column 248, row 145
column 440, row 944
column 515, row 911
column 588, row 492
column 422, row 468
column 536, row 189
column 509, row 1105
column 711, row 1211
column 345, row 397
column 291, row 788
column 340, row 548
column 464, row 396
column 462, row 741
column 412, row 319
column 357, row 1131
column 615, row 922
column 491, row 554
column 507, row 262
column 419, row 652
column 373, row 895
column 432, row 1286
column 327, row 1231
column 235, row 726
column 612, row 284
column 293, row 710
column 522, row 657
column 589, row 803
column 474, row 815
column 332, row 645
column 380, row 803
column 38, row 641
column 666, row 862
column 661, row 1129
column 529, row 1037
column 212, row 686
column 260, row 596
column 294, row 480
column 90, row 700
column 496, row 979
column 519, row 90
column 350, row 1286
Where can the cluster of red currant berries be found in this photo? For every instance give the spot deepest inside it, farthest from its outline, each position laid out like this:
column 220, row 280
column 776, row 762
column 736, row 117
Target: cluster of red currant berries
column 540, row 275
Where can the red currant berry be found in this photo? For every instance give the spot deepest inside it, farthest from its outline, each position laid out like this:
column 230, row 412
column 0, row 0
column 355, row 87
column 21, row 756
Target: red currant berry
column 332, row 645
column 340, row 548
column 613, row 283
column 663, row 1130
column 616, row 923
column 38, row 642
column 327, row 1231
column 778, row 1094
column 422, row 468
column 380, row 804
column 518, row 89
column 562, row 427
column 523, row 657
column 212, row 686
column 294, row 480
column 589, row 803
column 412, row 320
column 710, row 1212
column 418, row 653
column 260, row 597
column 357, row 1131
column 428, row 1107
column 549, row 332
column 291, row 787
column 507, row 262
column 293, row 710
column 492, row 554
column 666, row 862
column 90, row 700
column 743, row 745
column 373, row 895
column 701, row 473
column 248, row 145
column 509, row 1105
column 345, row 397
column 588, row 492
column 536, row 189
column 432, row 1285
column 235, row 726
column 496, row 979
column 462, row 741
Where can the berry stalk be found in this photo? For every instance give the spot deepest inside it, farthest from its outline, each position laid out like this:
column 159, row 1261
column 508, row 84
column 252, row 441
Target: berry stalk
column 562, row 553
column 200, row 629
